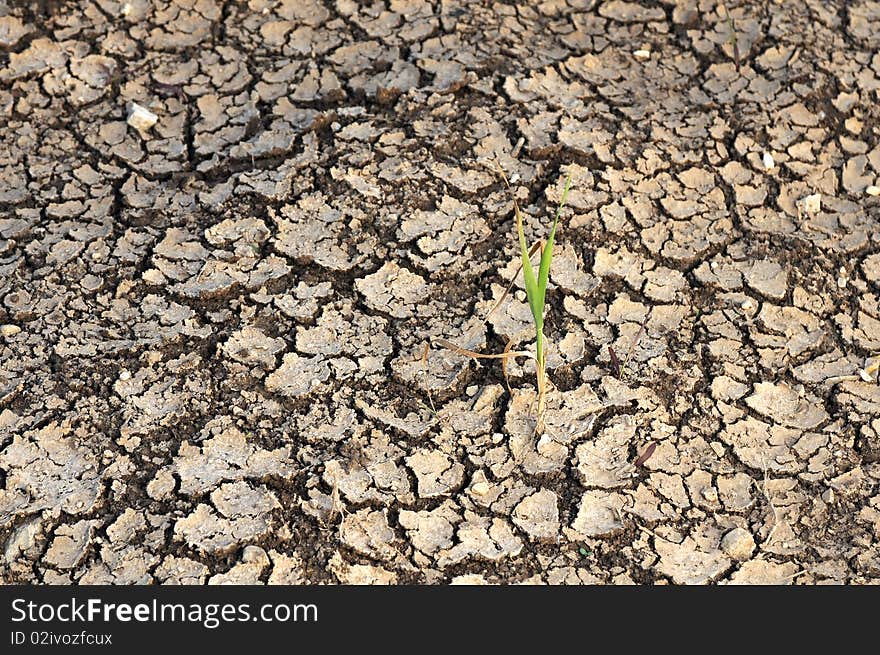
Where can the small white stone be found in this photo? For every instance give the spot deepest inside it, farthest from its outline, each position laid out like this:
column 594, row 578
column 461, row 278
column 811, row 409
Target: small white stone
column 738, row 544
column 642, row 54
column 141, row 118
column 126, row 9
column 472, row 390
column 543, row 443
column 748, row 305
column 812, row 204
column 124, row 375
column 873, row 190
column 769, row 163
column 480, row 488
column 841, row 283
column 9, row 330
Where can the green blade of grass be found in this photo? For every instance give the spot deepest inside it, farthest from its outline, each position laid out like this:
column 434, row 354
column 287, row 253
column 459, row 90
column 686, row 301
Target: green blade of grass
column 529, row 280
column 547, row 255
column 536, row 290
column 528, row 271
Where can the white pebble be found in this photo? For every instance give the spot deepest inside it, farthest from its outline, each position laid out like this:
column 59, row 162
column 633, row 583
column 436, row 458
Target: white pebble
column 738, row 544
column 141, row 118
column 767, row 159
column 642, row 54
column 9, row 330
column 480, row 488
column 873, row 190
column 124, row 375
column 543, row 444
column 811, row 204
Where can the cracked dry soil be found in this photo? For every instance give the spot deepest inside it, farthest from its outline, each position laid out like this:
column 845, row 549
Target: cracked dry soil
column 214, row 304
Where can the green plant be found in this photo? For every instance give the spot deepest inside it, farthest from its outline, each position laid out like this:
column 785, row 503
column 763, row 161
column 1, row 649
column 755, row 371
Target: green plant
column 536, row 292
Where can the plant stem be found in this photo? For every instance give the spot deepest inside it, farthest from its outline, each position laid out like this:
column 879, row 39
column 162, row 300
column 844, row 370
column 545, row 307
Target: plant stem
column 539, row 348
column 541, row 375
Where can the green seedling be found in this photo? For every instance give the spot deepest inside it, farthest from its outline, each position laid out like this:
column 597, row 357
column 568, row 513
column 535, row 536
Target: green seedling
column 536, row 292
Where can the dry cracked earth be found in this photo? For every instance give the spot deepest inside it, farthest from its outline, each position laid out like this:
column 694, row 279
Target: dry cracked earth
column 228, row 230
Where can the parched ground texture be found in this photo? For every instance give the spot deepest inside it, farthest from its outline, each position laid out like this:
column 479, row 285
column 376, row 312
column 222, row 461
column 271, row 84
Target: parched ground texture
column 229, row 229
